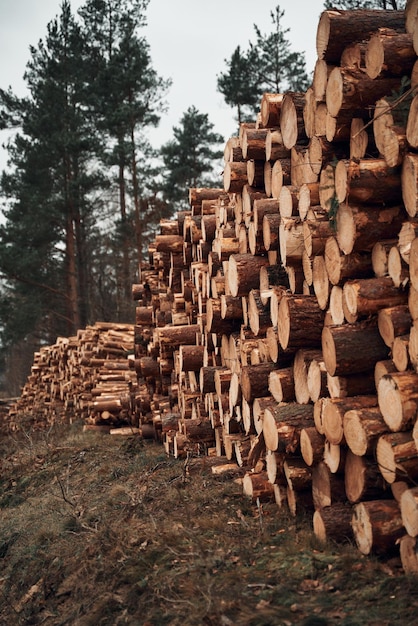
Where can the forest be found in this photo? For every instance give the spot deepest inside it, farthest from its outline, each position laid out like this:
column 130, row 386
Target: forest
column 84, row 189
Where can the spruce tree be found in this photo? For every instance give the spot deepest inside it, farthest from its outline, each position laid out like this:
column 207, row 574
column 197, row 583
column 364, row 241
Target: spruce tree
column 190, row 157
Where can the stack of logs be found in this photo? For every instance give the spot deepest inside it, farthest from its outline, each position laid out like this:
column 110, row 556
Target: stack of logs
column 279, row 314
column 276, row 323
column 89, row 376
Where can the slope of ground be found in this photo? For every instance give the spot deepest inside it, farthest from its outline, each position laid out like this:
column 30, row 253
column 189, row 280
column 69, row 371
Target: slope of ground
column 100, row 530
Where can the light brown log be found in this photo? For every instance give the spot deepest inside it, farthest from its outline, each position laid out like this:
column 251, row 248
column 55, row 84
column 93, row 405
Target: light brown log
column 389, row 131
column 341, row 267
column 377, row 525
column 255, row 174
column 359, row 139
column 398, row 399
column 292, row 125
column 333, row 411
column 301, row 171
column 397, row 268
column 397, row 457
column 283, row 423
column 235, row 176
column 271, row 223
column 312, row 445
column 411, row 125
column 244, row 273
column 298, row 474
column 270, row 107
column 327, row 187
column 291, row 243
column 280, row 175
column 316, row 231
column 174, row 336
column 253, row 144
column 327, row 488
column 410, row 183
column 320, row 77
column 258, row 313
column 389, row 52
column 336, row 310
column 334, row 456
column 380, row 256
column 333, row 523
column 317, row 379
column 320, row 281
column 363, row 480
column 257, row 487
column 337, row 29
column 394, row 321
column 300, row 322
column 275, row 150
column 368, row 180
column 358, row 228
column 352, row 90
column 367, row 296
column 254, row 380
column 301, row 363
column 409, row 511
column 409, row 554
column 362, row 429
column 281, row 384
column 353, row 348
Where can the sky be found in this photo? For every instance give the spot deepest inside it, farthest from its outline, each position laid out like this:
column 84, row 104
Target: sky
column 189, row 43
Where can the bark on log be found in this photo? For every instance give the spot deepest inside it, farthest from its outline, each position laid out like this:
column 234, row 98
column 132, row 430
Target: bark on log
column 300, row 322
column 337, row 29
column 389, row 52
column 409, row 510
column 362, row 429
column 333, row 412
column 363, row 480
column 367, row 296
column 393, row 321
column 398, row 399
column 358, row 228
column 353, row 348
column 377, row 525
column 333, row 523
column 367, row 181
column 397, row 457
column 283, row 423
column 327, row 488
column 352, row 90
column 244, row 273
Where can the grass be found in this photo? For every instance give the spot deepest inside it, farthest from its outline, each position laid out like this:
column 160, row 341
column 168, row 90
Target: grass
column 99, row 530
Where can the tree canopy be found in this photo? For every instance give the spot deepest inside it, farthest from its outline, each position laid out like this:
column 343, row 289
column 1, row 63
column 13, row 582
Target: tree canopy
column 268, row 65
column 189, row 157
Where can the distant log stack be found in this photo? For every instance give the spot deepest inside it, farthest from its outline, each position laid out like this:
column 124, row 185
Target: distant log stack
column 277, row 319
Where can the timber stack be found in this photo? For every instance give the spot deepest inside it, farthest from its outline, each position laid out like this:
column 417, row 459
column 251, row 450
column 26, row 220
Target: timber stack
column 89, row 376
column 276, row 324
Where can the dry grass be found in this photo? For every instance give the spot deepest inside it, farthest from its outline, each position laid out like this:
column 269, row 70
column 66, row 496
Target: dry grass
column 96, row 530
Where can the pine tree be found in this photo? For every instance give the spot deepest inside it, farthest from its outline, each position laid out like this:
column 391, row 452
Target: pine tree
column 239, row 84
column 269, row 65
column 190, row 157
column 279, row 69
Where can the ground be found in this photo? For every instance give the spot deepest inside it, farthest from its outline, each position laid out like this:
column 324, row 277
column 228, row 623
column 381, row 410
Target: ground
column 107, row 530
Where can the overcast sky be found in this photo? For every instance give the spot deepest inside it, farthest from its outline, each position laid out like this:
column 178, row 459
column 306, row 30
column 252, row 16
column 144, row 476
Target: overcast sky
column 189, row 40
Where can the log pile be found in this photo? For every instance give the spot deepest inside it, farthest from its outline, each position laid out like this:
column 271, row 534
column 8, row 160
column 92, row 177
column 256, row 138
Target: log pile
column 88, row 377
column 277, row 318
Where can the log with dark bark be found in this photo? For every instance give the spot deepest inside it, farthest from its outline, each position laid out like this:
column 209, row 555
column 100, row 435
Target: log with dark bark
column 337, row 29
column 377, row 525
